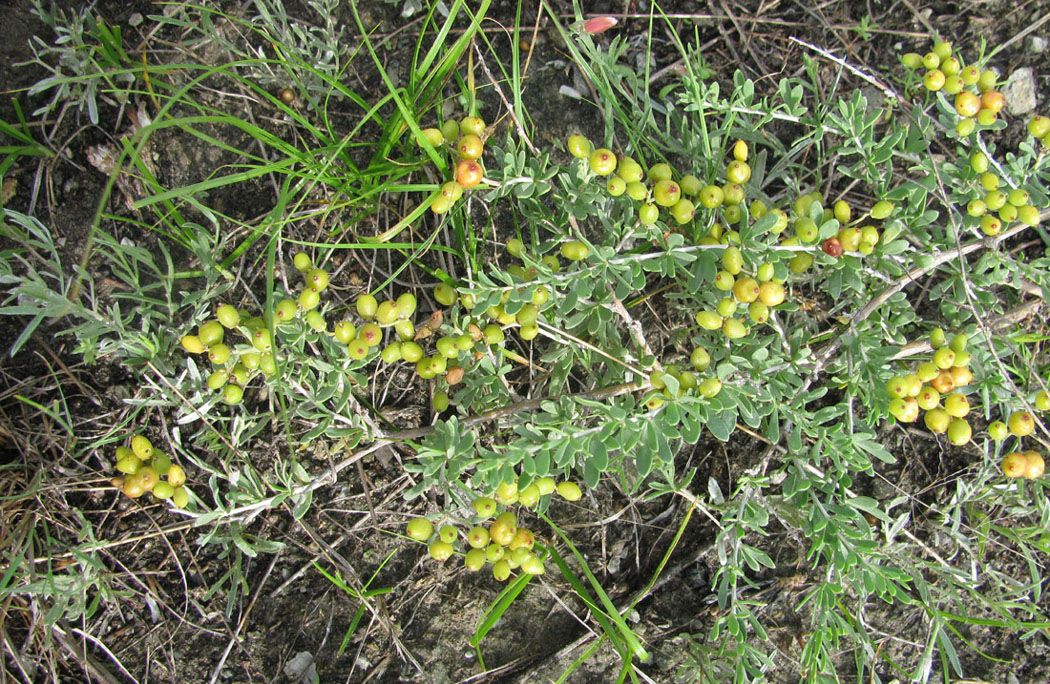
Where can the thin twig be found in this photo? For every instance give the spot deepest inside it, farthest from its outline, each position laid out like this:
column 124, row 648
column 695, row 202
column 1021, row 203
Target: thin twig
column 888, row 91
column 79, row 652
column 244, row 618
column 520, row 408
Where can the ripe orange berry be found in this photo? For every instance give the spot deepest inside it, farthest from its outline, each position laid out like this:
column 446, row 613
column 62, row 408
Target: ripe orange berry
column 944, row 382
column 993, row 100
column 469, row 173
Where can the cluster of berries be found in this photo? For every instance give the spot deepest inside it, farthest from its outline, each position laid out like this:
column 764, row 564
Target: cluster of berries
column 236, row 364
column 1020, row 424
column 861, row 239
column 409, row 345
column 1010, row 206
column 931, row 387
column 759, row 294
column 811, row 216
column 978, row 102
column 976, row 99
column 679, row 197
column 234, row 367
column 528, row 314
column 1028, row 464
column 684, row 381
column 685, row 196
column 150, row 470
column 504, row 544
column 466, row 137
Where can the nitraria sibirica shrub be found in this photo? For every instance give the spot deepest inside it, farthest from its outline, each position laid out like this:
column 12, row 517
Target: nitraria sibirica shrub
column 680, row 311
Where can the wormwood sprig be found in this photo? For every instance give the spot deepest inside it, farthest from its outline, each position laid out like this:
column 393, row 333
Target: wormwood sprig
column 87, row 55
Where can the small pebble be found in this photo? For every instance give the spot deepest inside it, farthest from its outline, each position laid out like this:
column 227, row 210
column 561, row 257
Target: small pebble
column 1019, row 91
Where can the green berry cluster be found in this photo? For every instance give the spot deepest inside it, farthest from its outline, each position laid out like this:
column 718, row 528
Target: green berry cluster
column 861, row 239
column 681, row 198
column 147, row 469
column 1021, row 424
column 687, row 381
column 530, row 314
column 235, row 365
column 997, row 209
column 805, row 229
column 466, row 137
column 978, row 102
column 504, row 544
column 931, row 388
column 685, row 197
column 976, row 99
column 755, row 293
column 408, row 348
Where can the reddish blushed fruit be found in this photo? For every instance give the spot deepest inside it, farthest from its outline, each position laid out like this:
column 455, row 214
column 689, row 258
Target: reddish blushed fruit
column 832, row 247
column 944, row 382
column 469, row 173
column 993, row 100
column 961, row 375
column 599, row 24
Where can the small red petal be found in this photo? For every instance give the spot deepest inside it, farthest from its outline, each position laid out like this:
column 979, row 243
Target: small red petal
column 599, row 24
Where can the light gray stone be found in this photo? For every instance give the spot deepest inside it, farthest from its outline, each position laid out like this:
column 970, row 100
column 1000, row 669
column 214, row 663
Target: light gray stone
column 1019, row 91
